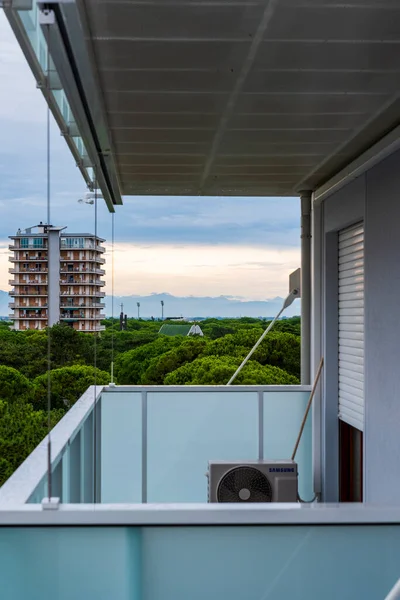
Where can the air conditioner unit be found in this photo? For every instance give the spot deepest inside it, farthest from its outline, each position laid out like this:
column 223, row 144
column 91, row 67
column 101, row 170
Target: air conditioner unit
column 252, row 481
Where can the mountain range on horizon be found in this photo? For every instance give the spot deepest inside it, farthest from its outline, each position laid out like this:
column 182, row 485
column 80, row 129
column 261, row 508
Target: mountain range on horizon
column 186, row 306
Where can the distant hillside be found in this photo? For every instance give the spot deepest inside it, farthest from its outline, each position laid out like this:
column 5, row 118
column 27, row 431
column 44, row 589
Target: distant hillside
column 191, row 306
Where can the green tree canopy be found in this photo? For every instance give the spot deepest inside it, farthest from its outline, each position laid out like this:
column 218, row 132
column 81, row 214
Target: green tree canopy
column 277, row 349
column 21, row 429
column 67, row 385
column 130, row 366
column 122, row 341
column 160, row 366
column 212, row 370
column 13, row 385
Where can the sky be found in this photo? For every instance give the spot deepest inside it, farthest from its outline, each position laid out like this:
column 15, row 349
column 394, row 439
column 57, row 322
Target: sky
column 242, row 247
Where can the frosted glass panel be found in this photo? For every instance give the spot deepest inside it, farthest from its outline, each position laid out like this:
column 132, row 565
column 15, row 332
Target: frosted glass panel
column 198, row 563
column 121, row 447
column 70, row 563
column 270, row 563
column 283, row 414
column 186, row 430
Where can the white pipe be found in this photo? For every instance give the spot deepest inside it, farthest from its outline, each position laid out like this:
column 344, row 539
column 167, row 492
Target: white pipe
column 292, row 296
column 394, row 594
column 305, row 364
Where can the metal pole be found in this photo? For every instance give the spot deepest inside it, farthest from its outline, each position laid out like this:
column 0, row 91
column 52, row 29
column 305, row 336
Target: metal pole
column 394, row 594
column 305, row 198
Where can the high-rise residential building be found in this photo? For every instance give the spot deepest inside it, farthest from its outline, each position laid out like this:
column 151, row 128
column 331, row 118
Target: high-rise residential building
column 57, row 278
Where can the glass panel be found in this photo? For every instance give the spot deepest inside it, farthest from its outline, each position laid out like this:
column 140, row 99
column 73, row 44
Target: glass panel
column 30, row 22
column 283, row 414
column 121, row 447
column 198, row 563
column 70, row 563
column 72, row 242
column 188, row 429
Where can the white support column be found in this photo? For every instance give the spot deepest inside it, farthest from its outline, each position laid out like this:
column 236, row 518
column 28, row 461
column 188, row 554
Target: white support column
column 317, row 338
column 305, row 198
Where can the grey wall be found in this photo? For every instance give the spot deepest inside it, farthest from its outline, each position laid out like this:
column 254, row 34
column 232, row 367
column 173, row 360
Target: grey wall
column 54, row 277
column 375, row 198
column 382, row 324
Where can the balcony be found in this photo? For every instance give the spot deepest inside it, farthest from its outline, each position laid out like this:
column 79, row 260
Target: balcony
column 23, row 283
column 33, row 317
column 83, row 293
column 82, row 281
column 24, row 306
column 15, row 271
column 89, row 270
column 151, row 452
column 154, row 443
column 27, row 258
column 71, row 259
column 28, row 293
column 30, row 247
column 83, row 305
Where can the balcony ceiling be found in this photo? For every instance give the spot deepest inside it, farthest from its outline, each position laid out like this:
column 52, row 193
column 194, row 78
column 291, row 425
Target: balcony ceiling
column 241, row 97
column 224, row 97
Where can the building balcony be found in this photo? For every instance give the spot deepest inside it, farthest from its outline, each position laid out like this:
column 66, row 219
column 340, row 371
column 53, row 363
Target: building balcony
column 94, row 328
column 71, row 259
column 82, row 305
column 23, row 283
column 86, row 271
column 238, row 423
column 16, row 271
column 83, row 293
column 27, row 259
column 22, row 248
column 82, row 281
column 28, row 293
column 138, row 515
column 70, row 318
column 79, row 314
column 39, row 326
column 25, row 306
column 32, row 317
column 98, row 317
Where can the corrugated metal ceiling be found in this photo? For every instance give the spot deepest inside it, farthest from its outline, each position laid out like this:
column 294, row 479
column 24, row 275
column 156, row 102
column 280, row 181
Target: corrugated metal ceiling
column 243, row 97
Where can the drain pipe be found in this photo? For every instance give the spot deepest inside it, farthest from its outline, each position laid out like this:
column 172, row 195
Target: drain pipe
column 305, row 198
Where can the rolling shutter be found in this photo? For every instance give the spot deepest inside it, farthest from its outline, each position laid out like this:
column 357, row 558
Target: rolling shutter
column 351, row 326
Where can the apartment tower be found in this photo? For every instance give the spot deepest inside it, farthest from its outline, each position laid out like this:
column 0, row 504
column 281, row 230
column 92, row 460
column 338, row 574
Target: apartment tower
column 57, row 278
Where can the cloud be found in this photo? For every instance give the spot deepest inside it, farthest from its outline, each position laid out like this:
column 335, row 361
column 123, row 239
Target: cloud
column 191, row 269
column 227, row 246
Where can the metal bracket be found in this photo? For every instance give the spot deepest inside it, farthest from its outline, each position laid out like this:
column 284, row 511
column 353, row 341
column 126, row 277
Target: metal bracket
column 51, row 503
column 47, row 16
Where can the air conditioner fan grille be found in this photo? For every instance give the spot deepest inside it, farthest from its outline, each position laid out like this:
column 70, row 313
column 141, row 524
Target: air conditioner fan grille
column 244, row 484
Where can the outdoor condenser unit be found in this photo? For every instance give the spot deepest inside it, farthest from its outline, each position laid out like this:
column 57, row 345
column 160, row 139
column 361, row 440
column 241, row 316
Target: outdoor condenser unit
column 252, row 481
